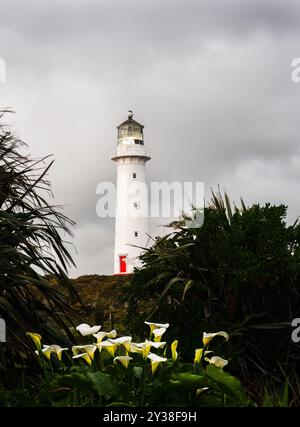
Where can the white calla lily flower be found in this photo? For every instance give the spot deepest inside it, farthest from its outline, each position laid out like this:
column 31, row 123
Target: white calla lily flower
column 144, row 347
column 84, row 329
column 136, row 347
column 217, row 361
column 124, row 360
column 101, row 335
column 141, row 348
column 207, row 337
column 56, row 349
column 108, row 346
column 198, row 354
column 158, row 333
column 36, row 338
column 154, row 325
column 156, row 344
column 174, row 350
column 83, row 356
column 155, row 361
column 89, row 349
column 112, row 334
column 125, row 341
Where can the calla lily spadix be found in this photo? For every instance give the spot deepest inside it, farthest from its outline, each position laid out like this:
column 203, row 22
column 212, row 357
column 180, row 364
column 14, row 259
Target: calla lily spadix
column 125, row 341
column 174, row 350
column 36, row 338
column 207, row 337
column 155, row 361
column 89, row 349
column 100, row 335
column 84, row 329
column 198, row 354
column 158, row 333
column 124, row 360
column 56, row 349
column 83, row 356
column 108, row 346
column 217, row 361
column 154, row 325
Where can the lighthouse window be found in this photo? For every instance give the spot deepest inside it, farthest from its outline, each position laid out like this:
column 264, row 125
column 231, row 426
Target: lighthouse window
column 134, row 175
column 136, row 234
column 135, row 204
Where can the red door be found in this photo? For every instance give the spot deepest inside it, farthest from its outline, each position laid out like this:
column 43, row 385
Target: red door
column 122, row 263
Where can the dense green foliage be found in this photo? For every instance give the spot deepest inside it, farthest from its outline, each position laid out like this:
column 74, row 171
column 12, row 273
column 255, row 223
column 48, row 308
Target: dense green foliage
column 118, row 372
column 31, row 247
column 239, row 272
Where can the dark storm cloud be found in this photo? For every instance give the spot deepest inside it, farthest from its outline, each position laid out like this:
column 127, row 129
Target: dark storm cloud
column 211, row 81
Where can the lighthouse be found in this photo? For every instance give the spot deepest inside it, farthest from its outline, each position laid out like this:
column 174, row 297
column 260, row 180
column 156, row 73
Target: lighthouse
column 132, row 224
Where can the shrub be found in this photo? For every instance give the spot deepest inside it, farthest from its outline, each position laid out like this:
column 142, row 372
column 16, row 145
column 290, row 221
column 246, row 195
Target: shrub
column 239, row 272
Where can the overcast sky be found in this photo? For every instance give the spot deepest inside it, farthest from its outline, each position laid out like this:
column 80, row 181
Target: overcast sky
column 210, row 80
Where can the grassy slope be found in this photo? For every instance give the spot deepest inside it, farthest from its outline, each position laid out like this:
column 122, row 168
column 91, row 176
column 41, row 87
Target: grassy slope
column 102, row 296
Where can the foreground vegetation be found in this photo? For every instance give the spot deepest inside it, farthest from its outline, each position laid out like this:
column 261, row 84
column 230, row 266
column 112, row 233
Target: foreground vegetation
column 115, row 371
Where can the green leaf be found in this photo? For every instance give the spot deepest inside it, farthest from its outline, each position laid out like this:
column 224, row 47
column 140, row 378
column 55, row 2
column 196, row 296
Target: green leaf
column 77, row 380
column 188, row 379
column 228, row 206
column 228, row 383
column 277, row 325
column 103, row 384
column 187, row 286
column 164, row 292
column 110, row 405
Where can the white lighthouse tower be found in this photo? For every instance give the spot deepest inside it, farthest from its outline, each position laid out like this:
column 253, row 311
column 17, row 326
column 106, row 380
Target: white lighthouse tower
column 131, row 227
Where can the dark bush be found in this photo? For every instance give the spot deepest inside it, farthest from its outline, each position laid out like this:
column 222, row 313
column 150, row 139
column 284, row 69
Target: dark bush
column 240, row 273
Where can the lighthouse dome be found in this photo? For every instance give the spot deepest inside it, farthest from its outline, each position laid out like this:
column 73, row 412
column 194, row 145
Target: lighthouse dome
column 130, row 132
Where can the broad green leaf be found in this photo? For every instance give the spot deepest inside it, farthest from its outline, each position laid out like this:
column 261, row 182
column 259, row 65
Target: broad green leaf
column 226, row 381
column 188, row 379
column 103, row 384
column 80, row 381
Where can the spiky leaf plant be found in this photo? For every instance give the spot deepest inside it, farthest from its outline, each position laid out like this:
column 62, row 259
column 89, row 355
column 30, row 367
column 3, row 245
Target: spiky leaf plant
column 31, row 250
